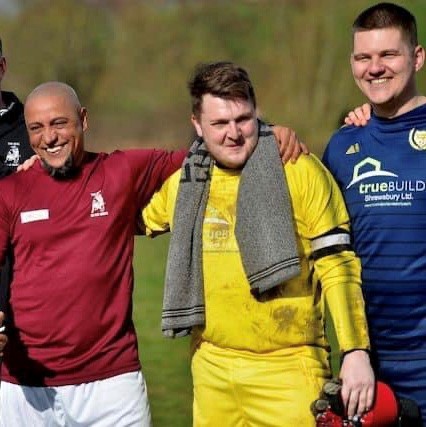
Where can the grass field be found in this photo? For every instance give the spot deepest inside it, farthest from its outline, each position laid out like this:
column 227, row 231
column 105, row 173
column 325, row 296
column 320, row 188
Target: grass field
column 165, row 362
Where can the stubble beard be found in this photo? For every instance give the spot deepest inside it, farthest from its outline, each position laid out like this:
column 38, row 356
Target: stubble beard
column 66, row 171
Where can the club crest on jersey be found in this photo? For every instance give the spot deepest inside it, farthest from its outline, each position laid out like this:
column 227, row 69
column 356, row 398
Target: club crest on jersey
column 417, row 139
column 98, row 205
column 13, row 156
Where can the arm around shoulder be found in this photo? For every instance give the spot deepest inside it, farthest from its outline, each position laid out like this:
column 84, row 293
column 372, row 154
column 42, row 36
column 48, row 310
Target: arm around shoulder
column 157, row 215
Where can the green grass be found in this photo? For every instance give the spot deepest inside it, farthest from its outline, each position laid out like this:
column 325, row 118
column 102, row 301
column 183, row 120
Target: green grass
column 165, row 362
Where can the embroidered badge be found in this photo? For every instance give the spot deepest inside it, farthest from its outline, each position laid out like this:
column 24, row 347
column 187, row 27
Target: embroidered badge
column 417, row 139
column 98, row 205
column 13, row 156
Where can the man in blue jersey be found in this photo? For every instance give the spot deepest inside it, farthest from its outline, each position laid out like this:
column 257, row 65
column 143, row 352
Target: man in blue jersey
column 380, row 169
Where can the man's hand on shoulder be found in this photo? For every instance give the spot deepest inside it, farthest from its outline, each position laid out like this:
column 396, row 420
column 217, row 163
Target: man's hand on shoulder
column 359, row 116
column 289, row 144
column 28, row 164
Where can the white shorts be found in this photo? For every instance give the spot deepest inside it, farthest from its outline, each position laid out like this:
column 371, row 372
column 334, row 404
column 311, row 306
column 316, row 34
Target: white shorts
column 120, row 401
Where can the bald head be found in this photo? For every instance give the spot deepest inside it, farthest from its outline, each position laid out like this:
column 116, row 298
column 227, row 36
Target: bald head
column 56, row 122
column 55, row 89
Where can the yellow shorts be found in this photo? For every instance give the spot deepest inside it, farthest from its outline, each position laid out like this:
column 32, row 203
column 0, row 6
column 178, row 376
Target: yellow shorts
column 242, row 389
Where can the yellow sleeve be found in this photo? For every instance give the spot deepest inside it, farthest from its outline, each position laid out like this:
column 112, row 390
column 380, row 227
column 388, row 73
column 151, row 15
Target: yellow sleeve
column 157, row 215
column 342, row 290
column 320, row 209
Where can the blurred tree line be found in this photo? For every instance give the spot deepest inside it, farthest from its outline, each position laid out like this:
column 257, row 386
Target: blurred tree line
column 129, row 60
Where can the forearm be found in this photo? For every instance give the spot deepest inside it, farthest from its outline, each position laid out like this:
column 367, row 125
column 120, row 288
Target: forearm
column 343, row 295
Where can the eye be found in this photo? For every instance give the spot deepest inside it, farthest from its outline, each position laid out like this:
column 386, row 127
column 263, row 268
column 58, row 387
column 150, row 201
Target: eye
column 59, row 124
column 219, row 124
column 243, row 119
column 361, row 58
column 34, row 128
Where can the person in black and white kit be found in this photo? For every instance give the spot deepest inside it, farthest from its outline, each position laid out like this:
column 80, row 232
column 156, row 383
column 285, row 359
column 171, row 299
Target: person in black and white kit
column 14, row 150
column 14, row 145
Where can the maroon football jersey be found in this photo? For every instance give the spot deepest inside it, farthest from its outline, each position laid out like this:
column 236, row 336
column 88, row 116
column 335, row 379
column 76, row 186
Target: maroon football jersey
column 72, row 281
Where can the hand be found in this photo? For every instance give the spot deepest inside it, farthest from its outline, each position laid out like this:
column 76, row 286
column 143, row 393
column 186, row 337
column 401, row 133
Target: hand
column 357, row 383
column 359, row 116
column 29, row 163
column 288, row 144
column 3, row 337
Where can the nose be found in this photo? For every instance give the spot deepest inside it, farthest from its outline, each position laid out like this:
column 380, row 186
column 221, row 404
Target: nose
column 49, row 135
column 234, row 131
column 376, row 66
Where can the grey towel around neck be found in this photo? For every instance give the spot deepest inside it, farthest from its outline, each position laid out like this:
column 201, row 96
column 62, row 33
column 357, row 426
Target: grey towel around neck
column 264, row 231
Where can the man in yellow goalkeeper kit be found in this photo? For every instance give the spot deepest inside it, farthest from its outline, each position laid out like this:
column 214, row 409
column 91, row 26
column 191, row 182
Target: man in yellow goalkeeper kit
column 257, row 251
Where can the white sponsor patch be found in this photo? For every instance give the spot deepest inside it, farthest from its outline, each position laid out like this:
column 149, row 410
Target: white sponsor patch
column 31, row 216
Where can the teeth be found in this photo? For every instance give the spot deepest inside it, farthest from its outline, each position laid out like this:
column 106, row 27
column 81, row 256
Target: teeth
column 53, row 150
column 379, row 81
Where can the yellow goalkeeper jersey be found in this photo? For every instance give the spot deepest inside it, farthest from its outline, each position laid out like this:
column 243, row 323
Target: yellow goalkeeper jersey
column 292, row 314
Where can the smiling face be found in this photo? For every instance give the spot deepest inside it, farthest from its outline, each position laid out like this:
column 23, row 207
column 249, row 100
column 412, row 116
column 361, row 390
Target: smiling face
column 229, row 129
column 384, row 65
column 56, row 123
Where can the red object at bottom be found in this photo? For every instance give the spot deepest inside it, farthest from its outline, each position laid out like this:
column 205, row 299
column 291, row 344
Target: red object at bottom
column 384, row 413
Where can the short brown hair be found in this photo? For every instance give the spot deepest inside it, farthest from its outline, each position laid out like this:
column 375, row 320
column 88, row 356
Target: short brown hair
column 223, row 79
column 388, row 15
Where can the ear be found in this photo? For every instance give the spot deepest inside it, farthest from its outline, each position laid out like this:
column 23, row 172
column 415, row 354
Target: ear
column 196, row 123
column 83, row 118
column 419, row 57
